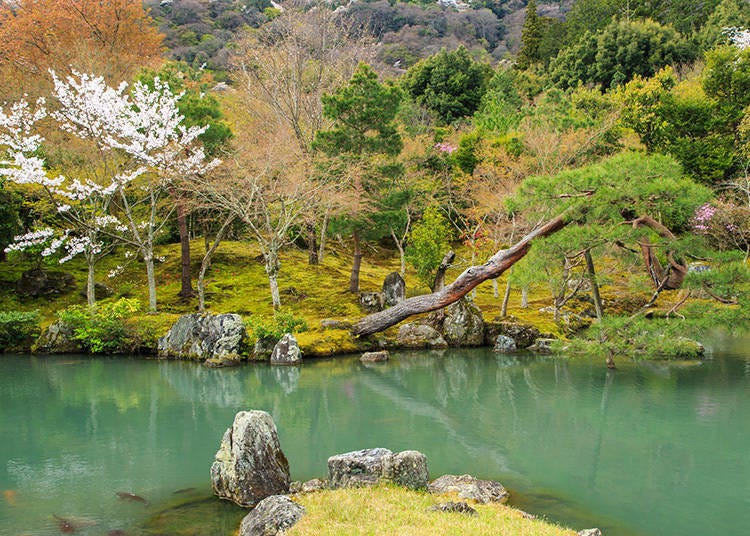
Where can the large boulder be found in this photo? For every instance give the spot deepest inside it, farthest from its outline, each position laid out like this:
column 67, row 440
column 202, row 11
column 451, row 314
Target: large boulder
column 58, row 339
column 417, row 336
column 273, row 515
column 250, row 465
column 204, row 336
column 463, row 324
column 37, row 282
column 371, row 466
column 524, row 335
column 375, row 357
column 394, row 289
column 468, row 487
column 286, row 351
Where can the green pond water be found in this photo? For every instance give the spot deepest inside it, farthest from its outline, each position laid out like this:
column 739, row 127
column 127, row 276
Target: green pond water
column 652, row 448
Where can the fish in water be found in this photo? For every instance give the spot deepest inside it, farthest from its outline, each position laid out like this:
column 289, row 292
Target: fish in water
column 183, row 490
column 66, row 526
column 125, row 496
column 10, row 496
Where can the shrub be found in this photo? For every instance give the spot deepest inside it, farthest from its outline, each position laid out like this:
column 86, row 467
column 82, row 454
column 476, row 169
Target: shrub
column 101, row 330
column 282, row 323
column 18, row 329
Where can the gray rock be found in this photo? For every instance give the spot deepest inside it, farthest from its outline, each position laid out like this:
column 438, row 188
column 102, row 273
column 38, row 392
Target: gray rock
column 542, row 346
column 454, row 507
column 286, row 351
column 590, row 532
column 263, row 347
column 204, row 336
column 371, row 302
column 370, row 466
column 331, row 323
column 504, row 345
column 58, row 339
column 468, row 487
column 273, row 515
column 417, row 336
column 394, row 289
column 316, row 484
column 37, row 282
column 250, row 465
column 463, row 324
column 409, row 469
column 222, row 361
column 375, row 357
column 523, row 334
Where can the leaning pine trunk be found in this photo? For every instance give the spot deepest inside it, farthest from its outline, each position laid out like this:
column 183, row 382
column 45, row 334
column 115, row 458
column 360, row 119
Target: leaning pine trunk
column 465, row 283
column 594, row 284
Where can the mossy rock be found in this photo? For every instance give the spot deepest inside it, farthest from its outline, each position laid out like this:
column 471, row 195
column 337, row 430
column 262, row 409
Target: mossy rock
column 331, row 342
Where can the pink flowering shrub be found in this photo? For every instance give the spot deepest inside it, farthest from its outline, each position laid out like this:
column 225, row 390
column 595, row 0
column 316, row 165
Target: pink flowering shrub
column 726, row 225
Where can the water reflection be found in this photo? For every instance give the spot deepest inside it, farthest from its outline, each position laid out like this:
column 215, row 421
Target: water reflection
column 626, row 449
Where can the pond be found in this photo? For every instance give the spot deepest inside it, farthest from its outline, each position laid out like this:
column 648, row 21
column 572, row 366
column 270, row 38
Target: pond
column 651, row 448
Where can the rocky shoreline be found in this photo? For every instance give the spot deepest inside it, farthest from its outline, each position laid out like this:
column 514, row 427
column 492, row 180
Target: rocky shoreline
column 251, row 470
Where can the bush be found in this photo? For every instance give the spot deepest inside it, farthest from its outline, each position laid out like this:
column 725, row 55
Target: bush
column 18, row 329
column 275, row 329
column 101, row 330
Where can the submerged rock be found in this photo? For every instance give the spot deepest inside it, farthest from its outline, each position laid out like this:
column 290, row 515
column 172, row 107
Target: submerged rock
column 375, row 357
column 469, row 487
column 273, row 515
column 286, row 351
column 463, row 324
column 416, row 336
column 370, row 466
column 250, row 465
column 204, row 336
column 542, row 346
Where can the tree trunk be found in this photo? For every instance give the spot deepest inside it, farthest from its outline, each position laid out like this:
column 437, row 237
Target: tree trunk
column 272, row 270
column 357, row 262
column 506, row 299
column 401, row 254
column 186, row 290
column 312, row 244
column 525, row 297
column 151, row 277
column 440, row 274
column 594, row 284
column 671, row 277
column 323, row 232
column 206, row 262
column 90, row 286
column 468, row 280
column 495, row 289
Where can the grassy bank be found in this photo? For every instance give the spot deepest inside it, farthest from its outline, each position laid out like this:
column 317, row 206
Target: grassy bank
column 391, row 510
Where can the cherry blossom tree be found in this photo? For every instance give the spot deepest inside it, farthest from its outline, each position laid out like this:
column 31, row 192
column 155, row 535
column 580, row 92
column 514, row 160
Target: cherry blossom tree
column 140, row 145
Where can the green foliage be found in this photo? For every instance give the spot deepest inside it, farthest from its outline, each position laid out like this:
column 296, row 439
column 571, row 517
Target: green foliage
column 101, row 330
column 500, row 108
column 618, row 52
column 283, row 322
column 428, row 244
column 729, row 13
column 363, row 112
column 451, row 84
column 18, row 329
column 726, row 78
column 531, row 37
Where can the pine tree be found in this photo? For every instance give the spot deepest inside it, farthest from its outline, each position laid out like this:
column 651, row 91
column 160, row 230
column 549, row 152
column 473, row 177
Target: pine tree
column 531, row 37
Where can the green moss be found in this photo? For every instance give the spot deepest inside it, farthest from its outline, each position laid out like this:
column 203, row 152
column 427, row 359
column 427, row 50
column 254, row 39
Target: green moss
column 330, row 342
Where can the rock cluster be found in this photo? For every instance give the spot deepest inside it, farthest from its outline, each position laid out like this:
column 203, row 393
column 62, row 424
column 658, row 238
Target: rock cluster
column 203, row 336
column 468, row 487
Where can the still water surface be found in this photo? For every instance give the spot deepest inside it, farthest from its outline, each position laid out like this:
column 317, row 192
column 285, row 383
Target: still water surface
column 650, row 449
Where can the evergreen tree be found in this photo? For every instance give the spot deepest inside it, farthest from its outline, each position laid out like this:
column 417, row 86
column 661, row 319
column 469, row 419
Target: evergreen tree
column 531, row 37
